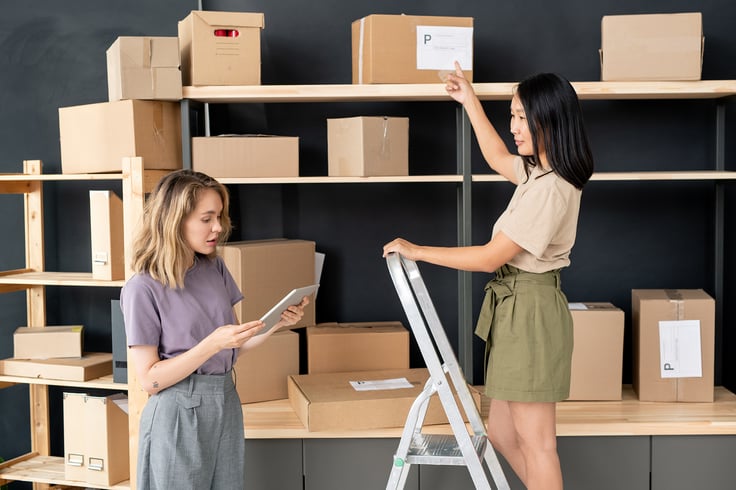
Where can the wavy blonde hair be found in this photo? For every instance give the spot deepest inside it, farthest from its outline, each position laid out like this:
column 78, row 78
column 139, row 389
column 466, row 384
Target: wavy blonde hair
column 159, row 246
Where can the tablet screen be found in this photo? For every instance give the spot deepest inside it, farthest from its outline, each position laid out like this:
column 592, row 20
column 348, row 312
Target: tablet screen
column 294, row 297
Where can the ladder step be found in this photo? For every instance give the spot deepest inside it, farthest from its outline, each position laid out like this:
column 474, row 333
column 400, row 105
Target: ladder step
column 441, row 449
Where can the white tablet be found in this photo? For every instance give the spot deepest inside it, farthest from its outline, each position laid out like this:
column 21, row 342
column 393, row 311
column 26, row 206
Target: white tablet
column 293, row 298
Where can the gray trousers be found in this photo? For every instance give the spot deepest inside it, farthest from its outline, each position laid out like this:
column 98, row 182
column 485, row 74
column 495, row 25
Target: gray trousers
column 192, row 437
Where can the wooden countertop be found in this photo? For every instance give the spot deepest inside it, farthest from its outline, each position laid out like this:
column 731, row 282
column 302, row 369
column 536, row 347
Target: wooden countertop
column 626, row 417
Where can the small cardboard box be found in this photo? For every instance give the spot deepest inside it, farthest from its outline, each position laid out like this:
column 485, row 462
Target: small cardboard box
column 597, row 358
column 367, row 346
column 410, row 48
column 143, row 68
column 261, row 373
column 673, row 345
column 266, row 270
column 221, row 48
column 367, row 146
column 328, row 401
column 652, row 47
column 96, row 438
column 48, row 342
column 239, row 156
column 91, row 365
column 106, row 223
column 96, row 137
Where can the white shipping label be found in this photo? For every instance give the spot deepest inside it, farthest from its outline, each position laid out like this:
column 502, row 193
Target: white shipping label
column 439, row 47
column 679, row 349
column 381, row 384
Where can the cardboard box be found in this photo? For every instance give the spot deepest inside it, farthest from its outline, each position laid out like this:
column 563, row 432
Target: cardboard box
column 143, row 68
column 96, row 137
column 266, row 270
column 91, row 365
column 106, row 223
column 410, row 48
column 652, row 47
column 597, row 358
column 668, row 325
column 221, row 48
column 368, row 346
column 255, row 155
column 367, row 146
column 96, row 438
column 48, row 342
column 119, row 343
column 261, row 373
column 328, row 401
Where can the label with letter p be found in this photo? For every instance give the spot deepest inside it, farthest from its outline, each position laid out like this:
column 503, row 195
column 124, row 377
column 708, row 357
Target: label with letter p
column 679, row 349
column 439, row 47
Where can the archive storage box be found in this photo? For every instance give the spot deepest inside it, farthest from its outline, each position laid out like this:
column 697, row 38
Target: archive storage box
column 368, row 146
column 48, row 342
column 597, row 356
column 96, row 137
column 365, row 346
column 674, row 344
column 244, row 156
column 328, row 401
column 652, row 47
column 91, row 365
column 143, row 68
column 107, row 241
column 96, row 438
column 261, row 374
column 221, row 48
column 119, row 343
column 266, row 270
column 410, row 48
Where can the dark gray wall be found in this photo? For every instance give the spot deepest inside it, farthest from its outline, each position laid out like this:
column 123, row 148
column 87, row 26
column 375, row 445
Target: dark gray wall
column 631, row 235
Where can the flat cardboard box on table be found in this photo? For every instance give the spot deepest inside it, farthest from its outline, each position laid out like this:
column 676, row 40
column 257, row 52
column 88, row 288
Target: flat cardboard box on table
column 410, row 48
column 48, row 342
column 365, row 346
column 96, row 438
column 91, row 365
column 221, row 48
column 597, row 356
column 266, row 270
column 649, row 307
column 368, row 146
column 261, row 374
column 652, row 47
column 327, row 401
column 245, row 156
column 142, row 67
column 107, row 240
column 95, row 138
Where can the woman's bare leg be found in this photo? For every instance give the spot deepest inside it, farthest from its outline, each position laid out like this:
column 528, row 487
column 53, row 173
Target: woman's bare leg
column 504, row 437
column 536, row 429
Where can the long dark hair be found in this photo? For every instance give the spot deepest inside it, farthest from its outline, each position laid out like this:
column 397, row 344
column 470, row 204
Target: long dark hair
column 553, row 113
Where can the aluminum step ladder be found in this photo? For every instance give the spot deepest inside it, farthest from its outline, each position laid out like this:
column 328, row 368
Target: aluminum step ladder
column 462, row 448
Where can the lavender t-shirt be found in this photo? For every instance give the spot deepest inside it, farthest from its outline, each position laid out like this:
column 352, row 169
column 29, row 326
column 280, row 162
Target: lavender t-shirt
column 176, row 319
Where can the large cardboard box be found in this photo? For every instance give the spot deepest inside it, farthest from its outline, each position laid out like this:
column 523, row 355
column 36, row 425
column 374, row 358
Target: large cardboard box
column 266, row 270
column 91, row 365
column 221, row 48
column 410, row 48
column 96, row 438
column 96, row 137
column 673, row 344
column 597, row 358
column 107, row 240
column 365, row 346
column 48, row 342
column 261, row 374
column 328, row 401
column 367, row 146
column 143, row 68
column 239, row 156
column 652, row 47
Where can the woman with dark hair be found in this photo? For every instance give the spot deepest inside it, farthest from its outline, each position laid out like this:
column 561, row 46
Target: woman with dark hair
column 525, row 319
column 184, row 338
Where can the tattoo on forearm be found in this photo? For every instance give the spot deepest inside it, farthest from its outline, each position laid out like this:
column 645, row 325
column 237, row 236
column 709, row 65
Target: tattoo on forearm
column 155, row 384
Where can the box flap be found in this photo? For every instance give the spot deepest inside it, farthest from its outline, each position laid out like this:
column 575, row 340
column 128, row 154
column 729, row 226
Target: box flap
column 230, row 19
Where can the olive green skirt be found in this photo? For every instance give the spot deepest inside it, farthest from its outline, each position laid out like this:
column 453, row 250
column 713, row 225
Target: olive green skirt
column 526, row 323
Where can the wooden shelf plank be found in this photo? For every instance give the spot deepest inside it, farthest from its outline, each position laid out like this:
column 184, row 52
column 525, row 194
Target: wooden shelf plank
column 50, row 470
column 105, row 382
column 344, row 180
column 704, row 175
column 700, row 89
column 58, row 177
column 35, row 278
